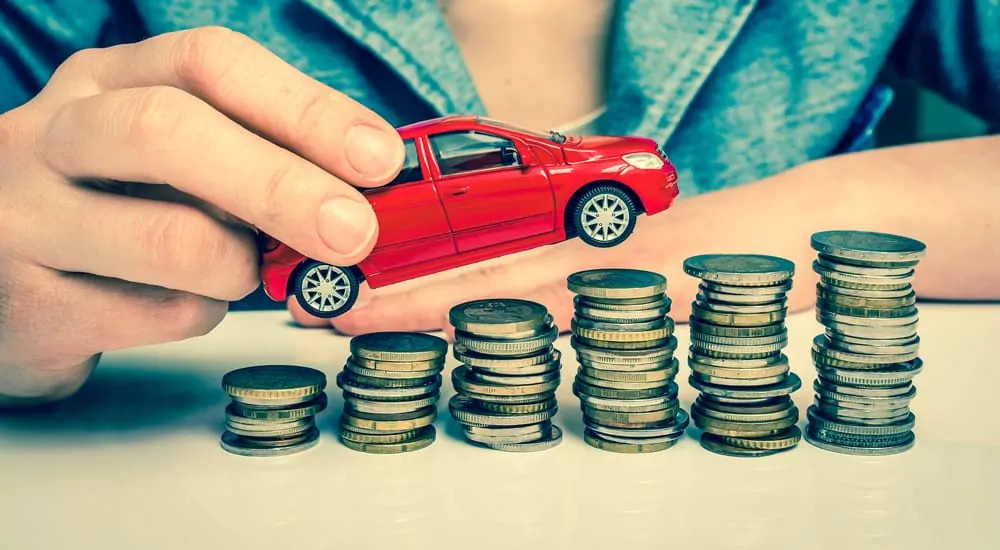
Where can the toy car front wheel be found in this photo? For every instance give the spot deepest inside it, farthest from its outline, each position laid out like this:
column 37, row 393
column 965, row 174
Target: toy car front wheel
column 325, row 290
column 604, row 216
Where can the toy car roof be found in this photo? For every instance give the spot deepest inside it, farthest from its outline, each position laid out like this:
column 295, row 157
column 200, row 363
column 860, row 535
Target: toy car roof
column 439, row 123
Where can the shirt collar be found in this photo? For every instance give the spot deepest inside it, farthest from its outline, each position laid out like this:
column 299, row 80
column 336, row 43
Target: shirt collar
column 661, row 54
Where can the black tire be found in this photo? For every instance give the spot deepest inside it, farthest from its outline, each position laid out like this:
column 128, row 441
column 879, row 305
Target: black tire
column 582, row 205
column 308, row 273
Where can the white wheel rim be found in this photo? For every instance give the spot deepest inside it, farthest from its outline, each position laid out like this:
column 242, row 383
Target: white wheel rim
column 605, row 217
column 326, row 288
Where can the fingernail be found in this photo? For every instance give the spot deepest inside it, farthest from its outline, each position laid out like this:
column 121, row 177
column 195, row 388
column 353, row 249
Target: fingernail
column 374, row 153
column 346, row 225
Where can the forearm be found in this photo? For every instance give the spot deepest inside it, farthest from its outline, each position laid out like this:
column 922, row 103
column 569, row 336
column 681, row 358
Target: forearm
column 946, row 194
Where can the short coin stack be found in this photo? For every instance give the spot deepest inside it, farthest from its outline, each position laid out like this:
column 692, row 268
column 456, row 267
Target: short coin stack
column 868, row 357
column 737, row 364
column 625, row 343
column 391, row 384
column 273, row 409
column 506, row 384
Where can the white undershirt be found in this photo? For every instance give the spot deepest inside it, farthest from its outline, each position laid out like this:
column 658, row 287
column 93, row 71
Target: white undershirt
column 585, row 125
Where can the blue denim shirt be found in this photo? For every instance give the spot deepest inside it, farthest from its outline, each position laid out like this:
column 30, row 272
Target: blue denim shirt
column 734, row 90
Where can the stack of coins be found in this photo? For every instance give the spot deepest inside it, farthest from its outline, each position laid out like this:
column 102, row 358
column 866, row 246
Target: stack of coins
column 868, row 357
column 737, row 364
column 273, row 409
column 391, row 384
column 624, row 341
column 506, row 384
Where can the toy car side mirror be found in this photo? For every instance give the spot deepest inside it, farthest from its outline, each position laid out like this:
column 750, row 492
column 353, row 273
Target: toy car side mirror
column 509, row 156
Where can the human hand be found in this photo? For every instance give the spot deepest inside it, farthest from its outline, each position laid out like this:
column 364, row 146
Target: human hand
column 219, row 134
column 538, row 275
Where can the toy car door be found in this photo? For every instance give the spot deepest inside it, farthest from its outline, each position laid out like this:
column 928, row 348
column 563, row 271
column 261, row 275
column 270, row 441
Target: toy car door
column 412, row 223
column 492, row 191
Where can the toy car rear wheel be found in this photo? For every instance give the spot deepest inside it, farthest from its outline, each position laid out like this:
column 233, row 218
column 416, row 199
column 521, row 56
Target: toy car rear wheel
column 325, row 290
column 604, row 216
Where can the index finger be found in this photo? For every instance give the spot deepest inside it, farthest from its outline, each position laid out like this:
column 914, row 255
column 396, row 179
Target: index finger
column 251, row 85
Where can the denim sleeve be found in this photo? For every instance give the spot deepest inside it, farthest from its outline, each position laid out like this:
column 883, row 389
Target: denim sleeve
column 36, row 36
column 953, row 48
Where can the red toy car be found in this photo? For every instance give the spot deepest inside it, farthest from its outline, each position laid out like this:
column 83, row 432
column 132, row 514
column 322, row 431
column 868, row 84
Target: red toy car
column 472, row 189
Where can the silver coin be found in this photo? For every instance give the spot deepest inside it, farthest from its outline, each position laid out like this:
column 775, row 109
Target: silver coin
column 789, row 385
column 270, row 414
column 722, row 307
column 630, row 317
column 778, row 289
column 740, row 299
column 867, row 246
column 869, row 282
column 833, row 264
column 862, row 293
column 839, row 330
column 876, row 347
column 657, row 302
column 889, row 376
column 512, row 347
column 886, row 391
column 817, row 419
column 553, row 439
column 512, row 380
column 838, row 338
column 244, row 447
column 398, row 346
column 617, row 326
column 616, row 283
column 389, row 407
column 499, row 317
column 740, row 269
column 858, row 451
column 670, row 428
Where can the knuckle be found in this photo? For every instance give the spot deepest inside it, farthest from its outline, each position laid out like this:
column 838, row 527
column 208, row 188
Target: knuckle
column 188, row 315
column 151, row 115
column 179, row 241
column 311, row 117
column 20, row 302
column 203, row 56
column 277, row 191
column 188, row 243
column 78, row 63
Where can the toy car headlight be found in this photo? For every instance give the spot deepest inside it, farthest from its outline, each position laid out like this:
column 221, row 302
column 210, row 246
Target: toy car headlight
column 645, row 161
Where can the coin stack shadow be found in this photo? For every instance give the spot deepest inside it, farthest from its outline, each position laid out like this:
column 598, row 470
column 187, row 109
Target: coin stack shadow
column 506, row 384
column 625, row 343
column 273, row 409
column 868, row 356
column 737, row 336
column 391, row 384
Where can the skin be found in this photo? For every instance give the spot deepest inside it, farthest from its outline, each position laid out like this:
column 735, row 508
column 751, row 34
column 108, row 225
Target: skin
column 180, row 116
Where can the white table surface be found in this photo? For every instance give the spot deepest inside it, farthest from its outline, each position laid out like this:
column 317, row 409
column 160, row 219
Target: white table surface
column 134, row 462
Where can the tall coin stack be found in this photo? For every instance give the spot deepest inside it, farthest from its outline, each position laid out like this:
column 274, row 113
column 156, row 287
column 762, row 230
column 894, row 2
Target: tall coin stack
column 737, row 364
column 391, row 384
column 625, row 343
column 506, row 384
column 868, row 357
column 273, row 409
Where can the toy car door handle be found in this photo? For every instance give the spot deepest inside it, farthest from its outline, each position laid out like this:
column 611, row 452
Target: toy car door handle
column 459, row 191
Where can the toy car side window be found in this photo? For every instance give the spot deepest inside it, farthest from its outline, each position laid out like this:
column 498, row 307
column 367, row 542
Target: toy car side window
column 411, row 170
column 468, row 151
